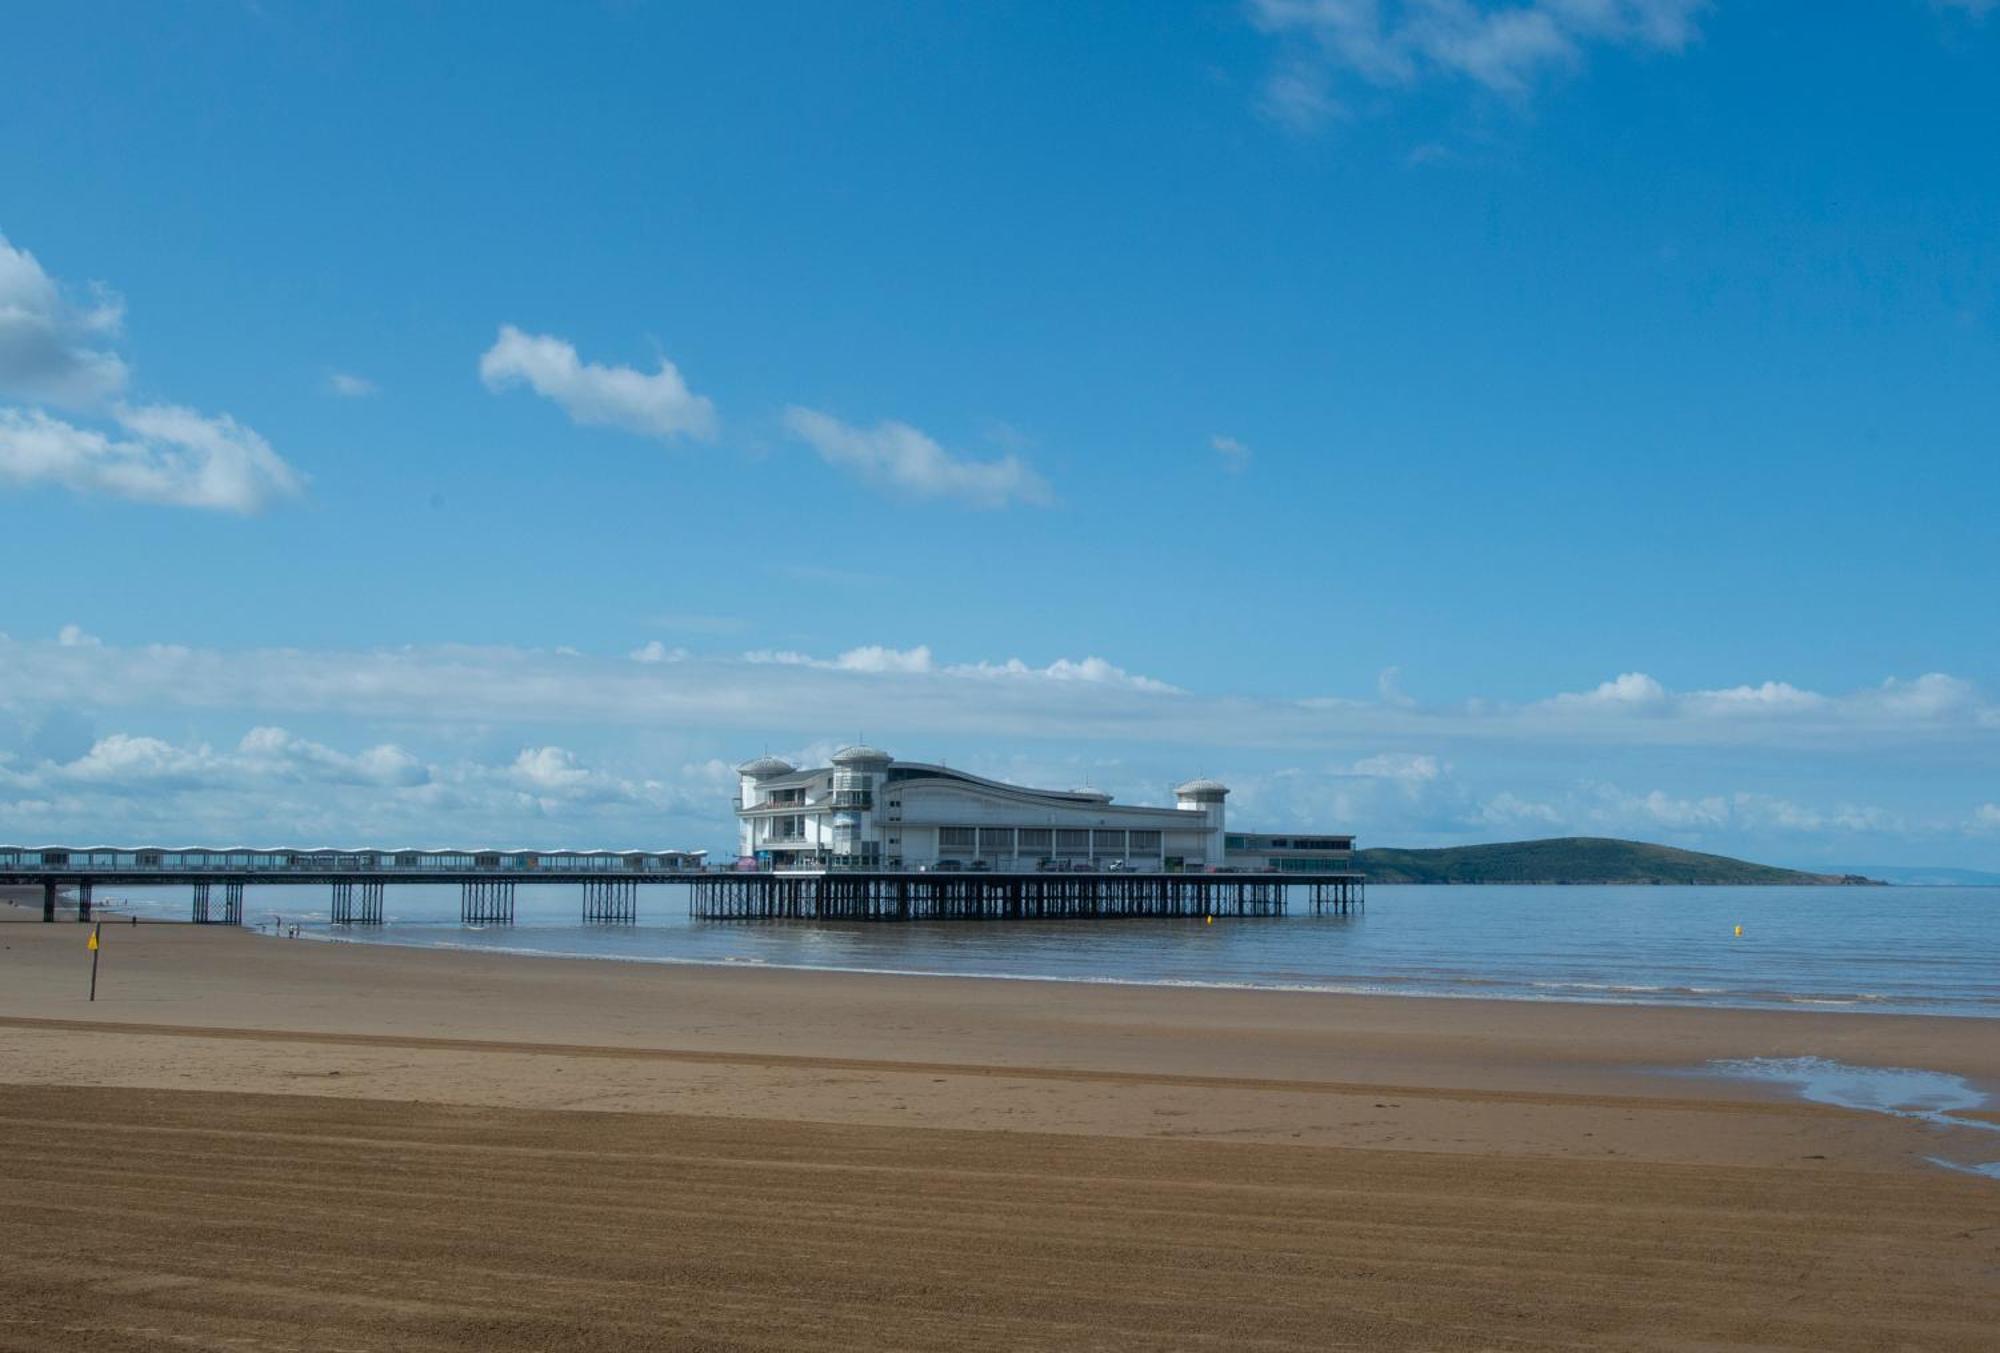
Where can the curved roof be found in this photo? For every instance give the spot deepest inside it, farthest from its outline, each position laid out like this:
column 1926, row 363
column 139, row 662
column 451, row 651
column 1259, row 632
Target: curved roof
column 1199, row 788
column 765, row 765
column 861, row 755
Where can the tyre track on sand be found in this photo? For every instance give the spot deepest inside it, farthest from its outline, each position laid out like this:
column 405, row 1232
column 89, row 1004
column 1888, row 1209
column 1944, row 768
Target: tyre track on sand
column 140, row 1219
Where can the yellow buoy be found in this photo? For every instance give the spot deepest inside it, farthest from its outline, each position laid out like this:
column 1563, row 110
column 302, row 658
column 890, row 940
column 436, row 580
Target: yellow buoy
column 1739, row 932
column 1208, row 920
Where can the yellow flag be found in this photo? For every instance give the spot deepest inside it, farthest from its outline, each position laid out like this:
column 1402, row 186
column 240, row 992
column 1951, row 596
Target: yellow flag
column 92, row 943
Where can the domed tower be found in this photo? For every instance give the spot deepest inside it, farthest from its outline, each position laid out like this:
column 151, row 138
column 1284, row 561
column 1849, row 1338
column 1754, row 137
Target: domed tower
column 1205, row 797
column 749, row 773
column 857, row 777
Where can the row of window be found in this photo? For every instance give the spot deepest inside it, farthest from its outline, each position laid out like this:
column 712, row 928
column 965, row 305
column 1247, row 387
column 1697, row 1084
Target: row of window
column 1288, row 843
column 1042, row 840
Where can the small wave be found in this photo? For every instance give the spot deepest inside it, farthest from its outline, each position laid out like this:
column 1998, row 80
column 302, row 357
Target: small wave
column 1934, row 1097
column 1129, row 965
column 1904, row 1091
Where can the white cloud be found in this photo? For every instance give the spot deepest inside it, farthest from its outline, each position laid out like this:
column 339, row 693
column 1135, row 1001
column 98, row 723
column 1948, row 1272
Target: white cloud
column 128, row 761
column 1092, row 670
column 918, row 661
column 1935, row 699
column 55, row 351
column 1509, row 811
column 1986, row 818
column 1768, row 697
column 1299, row 95
column 1600, row 809
column 654, row 651
column 657, row 405
column 1235, row 455
column 550, row 769
column 900, row 457
column 277, row 786
column 170, row 456
column 875, row 658
column 867, row 658
column 1929, row 696
column 1632, row 690
column 1665, row 810
column 74, row 636
column 350, row 386
column 276, row 753
column 1407, row 768
column 1388, row 687
column 52, row 349
column 1504, row 48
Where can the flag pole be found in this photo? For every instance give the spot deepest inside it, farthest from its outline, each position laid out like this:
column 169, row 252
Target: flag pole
column 96, row 930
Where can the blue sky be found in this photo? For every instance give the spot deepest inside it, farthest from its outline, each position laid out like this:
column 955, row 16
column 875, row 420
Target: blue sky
column 1442, row 420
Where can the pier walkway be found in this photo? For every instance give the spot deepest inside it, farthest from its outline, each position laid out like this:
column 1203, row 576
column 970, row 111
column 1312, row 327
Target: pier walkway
column 357, row 882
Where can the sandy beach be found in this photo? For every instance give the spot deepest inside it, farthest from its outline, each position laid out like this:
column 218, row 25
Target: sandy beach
column 268, row 1143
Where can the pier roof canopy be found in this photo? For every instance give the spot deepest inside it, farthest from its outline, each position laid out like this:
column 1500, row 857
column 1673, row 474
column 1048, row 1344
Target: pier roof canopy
column 1201, row 789
column 861, row 755
column 765, row 765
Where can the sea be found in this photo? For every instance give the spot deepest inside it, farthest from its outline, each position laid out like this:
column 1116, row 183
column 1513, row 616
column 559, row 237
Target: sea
column 1917, row 950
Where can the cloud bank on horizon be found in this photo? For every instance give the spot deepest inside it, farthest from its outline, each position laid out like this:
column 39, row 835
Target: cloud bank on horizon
column 557, row 727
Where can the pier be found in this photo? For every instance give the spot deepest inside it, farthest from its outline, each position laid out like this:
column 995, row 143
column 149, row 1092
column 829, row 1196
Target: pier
column 357, row 884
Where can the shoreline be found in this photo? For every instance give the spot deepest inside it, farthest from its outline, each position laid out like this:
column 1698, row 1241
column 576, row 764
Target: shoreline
column 1863, row 1004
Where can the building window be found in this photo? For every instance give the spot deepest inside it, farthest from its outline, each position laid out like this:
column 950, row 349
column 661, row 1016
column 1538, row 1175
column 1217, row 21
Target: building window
column 1035, row 839
column 955, row 838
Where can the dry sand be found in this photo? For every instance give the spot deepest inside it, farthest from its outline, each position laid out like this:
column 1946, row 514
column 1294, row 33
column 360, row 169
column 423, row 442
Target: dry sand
column 257, row 1143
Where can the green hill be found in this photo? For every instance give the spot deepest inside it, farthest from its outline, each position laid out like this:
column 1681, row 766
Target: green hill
column 1573, row 859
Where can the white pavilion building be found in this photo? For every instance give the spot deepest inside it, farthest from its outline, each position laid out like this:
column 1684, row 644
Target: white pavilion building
column 868, row 810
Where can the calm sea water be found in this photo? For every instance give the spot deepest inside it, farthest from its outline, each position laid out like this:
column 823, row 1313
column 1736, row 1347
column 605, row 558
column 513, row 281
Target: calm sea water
column 1930, row 950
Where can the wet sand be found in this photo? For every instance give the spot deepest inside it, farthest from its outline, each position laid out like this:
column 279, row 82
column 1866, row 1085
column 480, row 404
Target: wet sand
column 296, row 1144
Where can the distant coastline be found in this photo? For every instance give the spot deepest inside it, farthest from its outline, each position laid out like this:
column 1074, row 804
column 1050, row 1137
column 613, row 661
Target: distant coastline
column 1580, row 860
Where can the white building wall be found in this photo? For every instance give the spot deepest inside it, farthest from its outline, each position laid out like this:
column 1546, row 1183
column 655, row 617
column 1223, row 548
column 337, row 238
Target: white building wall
column 911, row 811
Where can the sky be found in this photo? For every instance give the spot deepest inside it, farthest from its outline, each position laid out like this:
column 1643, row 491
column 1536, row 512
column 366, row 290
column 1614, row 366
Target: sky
column 1441, row 420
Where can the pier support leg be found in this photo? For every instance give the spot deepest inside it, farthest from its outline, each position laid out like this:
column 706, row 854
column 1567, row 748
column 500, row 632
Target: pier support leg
column 358, row 903
column 200, row 916
column 486, row 902
column 611, row 900
column 232, row 903
column 83, row 900
column 49, row 900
